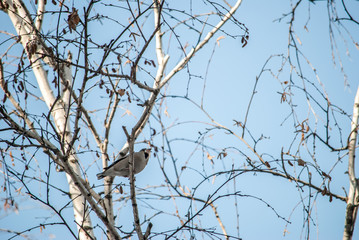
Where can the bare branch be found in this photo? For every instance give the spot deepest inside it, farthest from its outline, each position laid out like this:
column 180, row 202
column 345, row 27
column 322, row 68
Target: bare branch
column 209, row 35
column 131, row 141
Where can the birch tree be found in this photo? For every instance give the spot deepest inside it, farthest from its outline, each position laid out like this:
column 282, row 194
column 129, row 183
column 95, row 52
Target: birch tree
column 57, row 130
column 76, row 96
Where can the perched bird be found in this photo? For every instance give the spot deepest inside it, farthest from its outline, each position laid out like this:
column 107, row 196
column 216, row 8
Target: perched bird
column 120, row 166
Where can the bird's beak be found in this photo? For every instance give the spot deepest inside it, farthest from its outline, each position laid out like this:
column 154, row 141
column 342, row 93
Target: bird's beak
column 148, row 150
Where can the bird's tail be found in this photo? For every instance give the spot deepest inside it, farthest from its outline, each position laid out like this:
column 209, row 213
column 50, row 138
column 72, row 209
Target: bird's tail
column 100, row 176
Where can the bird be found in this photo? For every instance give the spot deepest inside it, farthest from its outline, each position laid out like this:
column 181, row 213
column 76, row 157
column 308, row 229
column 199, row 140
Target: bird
column 120, row 166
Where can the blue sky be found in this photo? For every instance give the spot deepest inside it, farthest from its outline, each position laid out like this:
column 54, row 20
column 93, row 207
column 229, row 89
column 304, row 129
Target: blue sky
column 229, row 82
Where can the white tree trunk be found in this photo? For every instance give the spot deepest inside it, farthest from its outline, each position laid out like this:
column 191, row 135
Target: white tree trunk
column 352, row 201
column 26, row 30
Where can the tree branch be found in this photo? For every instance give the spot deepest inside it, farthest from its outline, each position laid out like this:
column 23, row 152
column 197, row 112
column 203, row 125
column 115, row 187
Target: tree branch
column 130, row 140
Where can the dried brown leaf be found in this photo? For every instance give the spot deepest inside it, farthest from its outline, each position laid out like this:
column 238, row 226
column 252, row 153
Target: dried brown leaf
column 222, row 155
column 325, row 190
column 301, row 162
column 73, row 19
column 121, row 92
column 128, row 97
column 267, row 164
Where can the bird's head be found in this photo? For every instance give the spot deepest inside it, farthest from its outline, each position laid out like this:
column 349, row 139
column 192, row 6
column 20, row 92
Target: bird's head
column 147, row 152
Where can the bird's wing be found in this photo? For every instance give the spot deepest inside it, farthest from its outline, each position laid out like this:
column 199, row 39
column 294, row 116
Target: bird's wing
column 115, row 162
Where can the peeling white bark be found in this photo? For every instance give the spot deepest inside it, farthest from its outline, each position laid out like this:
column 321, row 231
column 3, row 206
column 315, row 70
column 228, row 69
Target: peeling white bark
column 352, row 201
column 25, row 28
column 40, row 15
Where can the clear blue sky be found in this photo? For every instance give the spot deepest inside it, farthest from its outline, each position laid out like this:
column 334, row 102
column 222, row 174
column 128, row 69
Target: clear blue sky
column 230, row 79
